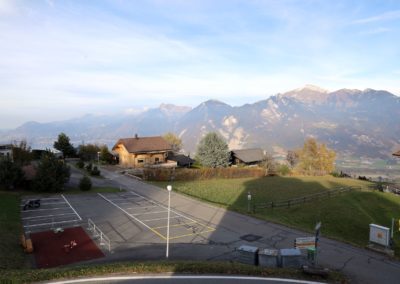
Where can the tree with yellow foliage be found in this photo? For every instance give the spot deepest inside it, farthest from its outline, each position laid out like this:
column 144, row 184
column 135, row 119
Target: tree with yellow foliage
column 315, row 158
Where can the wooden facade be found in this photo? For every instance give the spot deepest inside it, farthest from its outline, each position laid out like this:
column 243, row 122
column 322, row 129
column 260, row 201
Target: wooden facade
column 141, row 152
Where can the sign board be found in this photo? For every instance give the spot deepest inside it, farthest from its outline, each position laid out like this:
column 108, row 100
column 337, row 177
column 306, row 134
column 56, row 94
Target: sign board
column 379, row 235
column 304, row 243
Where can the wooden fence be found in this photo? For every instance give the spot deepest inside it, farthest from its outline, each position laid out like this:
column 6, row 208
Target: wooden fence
column 303, row 199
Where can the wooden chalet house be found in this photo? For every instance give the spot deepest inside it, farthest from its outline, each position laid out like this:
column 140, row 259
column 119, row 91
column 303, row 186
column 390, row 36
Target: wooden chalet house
column 139, row 152
column 397, row 154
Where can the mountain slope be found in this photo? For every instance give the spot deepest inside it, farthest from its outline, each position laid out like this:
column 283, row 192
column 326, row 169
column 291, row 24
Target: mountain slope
column 353, row 122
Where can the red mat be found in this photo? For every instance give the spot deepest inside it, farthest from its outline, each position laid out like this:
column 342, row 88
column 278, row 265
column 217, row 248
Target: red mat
column 49, row 247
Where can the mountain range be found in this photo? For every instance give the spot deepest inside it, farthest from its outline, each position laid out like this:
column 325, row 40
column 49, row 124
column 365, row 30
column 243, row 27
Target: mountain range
column 354, row 123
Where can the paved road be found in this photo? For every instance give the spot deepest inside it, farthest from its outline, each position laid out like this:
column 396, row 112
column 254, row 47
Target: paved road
column 185, row 279
column 361, row 265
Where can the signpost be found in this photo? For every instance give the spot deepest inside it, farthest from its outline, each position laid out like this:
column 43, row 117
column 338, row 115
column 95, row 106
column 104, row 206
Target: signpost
column 317, row 231
column 248, row 201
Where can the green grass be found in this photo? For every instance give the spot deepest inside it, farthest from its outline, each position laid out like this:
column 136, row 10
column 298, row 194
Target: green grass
column 192, row 267
column 11, row 252
column 345, row 217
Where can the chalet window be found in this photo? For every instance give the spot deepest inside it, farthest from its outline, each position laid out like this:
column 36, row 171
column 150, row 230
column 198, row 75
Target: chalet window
column 140, row 161
column 157, row 160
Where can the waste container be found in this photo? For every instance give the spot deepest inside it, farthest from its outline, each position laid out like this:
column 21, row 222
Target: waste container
column 291, row 258
column 311, row 254
column 248, row 255
column 268, row 258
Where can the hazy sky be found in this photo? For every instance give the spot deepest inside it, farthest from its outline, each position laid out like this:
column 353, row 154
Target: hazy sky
column 62, row 59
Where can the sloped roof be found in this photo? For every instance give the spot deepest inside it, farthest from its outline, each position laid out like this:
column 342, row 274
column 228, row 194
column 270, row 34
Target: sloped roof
column 249, row 155
column 397, row 153
column 144, row 144
column 181, row 159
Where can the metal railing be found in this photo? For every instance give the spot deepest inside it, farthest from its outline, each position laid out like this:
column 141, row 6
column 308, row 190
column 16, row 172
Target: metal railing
column 104, row 240
column 303, row 199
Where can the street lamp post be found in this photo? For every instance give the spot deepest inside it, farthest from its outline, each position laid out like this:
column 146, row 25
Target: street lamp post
column 169, row 188
column 98, row 158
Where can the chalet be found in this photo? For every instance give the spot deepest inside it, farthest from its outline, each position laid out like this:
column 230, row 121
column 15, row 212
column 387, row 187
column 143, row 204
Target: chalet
column 140, row 152
column 397, row 154
column 247, row 156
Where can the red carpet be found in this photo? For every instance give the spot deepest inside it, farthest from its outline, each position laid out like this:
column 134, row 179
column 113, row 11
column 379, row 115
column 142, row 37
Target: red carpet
column 49, row 247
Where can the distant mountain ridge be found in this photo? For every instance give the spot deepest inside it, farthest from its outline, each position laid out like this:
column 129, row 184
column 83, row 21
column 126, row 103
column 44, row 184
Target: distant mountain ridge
column 353, row 122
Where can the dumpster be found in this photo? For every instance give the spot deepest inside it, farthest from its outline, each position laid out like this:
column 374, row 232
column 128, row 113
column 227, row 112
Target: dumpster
column 248, row 255
column 268, row 257
column 291, row 258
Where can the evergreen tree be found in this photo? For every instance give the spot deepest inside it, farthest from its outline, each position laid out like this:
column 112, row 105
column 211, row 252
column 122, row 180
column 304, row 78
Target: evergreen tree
column 10, row 174
column 62, row 144
column 213, row 151
column 52, row 174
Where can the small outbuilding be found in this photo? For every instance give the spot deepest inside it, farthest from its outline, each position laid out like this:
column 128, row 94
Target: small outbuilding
column 181, row 160
column 247, row 156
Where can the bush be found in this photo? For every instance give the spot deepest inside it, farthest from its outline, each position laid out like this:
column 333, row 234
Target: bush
column 80, row 164
column 85, row 184
column 283, row 170
column 89, row 167
column 95, row 171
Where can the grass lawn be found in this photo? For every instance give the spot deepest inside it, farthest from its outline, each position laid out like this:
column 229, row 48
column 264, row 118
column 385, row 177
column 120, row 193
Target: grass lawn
column 345, row 217
column 11, row 252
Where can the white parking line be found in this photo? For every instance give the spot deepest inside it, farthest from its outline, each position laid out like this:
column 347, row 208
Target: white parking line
column 165, row 218
column 133, row 217
column 43, row 204
column 147, row 213
column 45, row 216
column 26, row 211
column 52, row 223
column 162, row 206
column 125, row 199
column 140, row 207
column 71, row 207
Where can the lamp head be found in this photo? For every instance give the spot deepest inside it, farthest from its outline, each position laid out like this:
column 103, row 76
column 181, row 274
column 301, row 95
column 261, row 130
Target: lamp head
column 169, row 187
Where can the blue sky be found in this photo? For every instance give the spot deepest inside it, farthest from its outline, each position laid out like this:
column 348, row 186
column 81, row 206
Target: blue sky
column 62, row 59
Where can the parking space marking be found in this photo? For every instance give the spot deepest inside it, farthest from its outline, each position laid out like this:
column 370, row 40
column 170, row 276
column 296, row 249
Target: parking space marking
column 46, row 216
column 138, row 207
column 192, row 234
column 71, row 207
column 133, row 217
column 205, row 226
column 164, row 218
column 176, row 225
column 52, row 223
column 147, row 213
column 50, row 203
column 44, row 209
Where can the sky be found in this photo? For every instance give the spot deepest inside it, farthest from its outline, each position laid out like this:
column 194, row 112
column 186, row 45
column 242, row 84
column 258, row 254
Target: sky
column 64, row 59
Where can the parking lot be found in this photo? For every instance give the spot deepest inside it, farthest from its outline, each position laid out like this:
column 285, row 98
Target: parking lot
column 153, row 216
column 127, row 219
column 53, row 212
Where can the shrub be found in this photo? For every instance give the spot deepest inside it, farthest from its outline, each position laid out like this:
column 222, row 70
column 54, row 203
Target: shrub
column 85, row 184
column 283, row 170
column 95, row 171
column 80, row 164
column 89, row 167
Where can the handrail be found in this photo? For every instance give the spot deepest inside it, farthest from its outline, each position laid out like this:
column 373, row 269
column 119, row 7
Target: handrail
column 104, row 240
